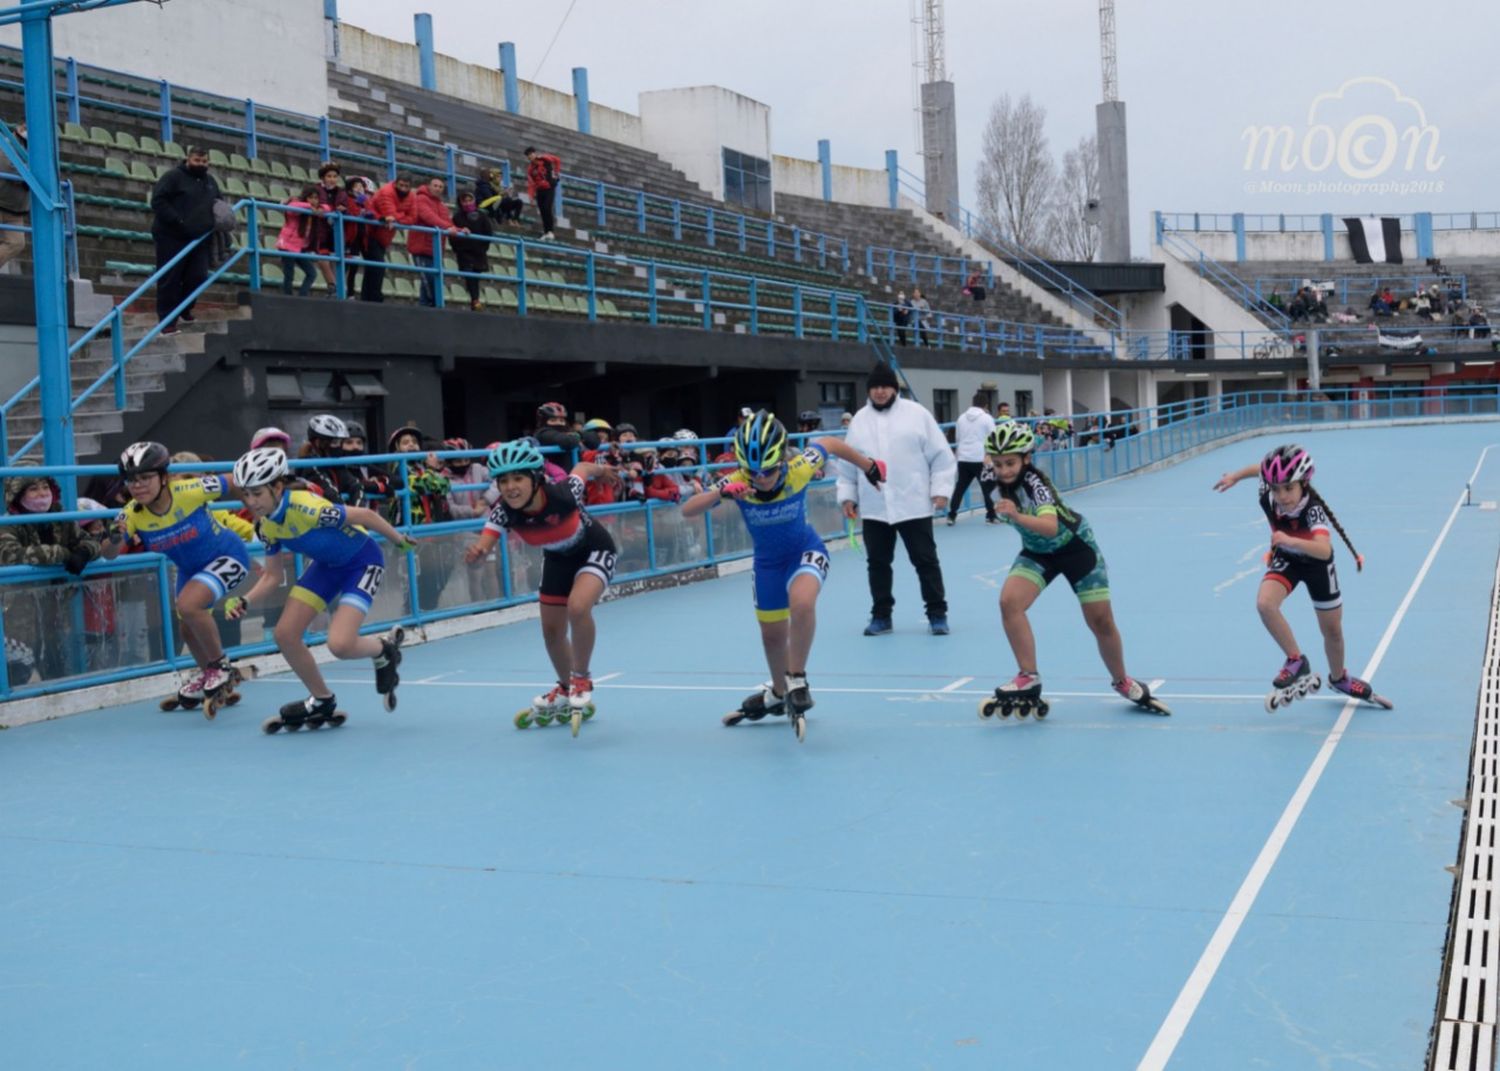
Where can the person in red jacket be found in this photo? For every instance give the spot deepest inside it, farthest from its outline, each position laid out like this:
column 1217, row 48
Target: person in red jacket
column 543, row 172
column 430, row 212
column 393, row 205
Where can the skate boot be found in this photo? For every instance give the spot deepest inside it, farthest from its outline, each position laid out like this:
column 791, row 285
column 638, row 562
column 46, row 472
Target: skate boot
column 1021, row 696
column 544, row 708
column 311, row 712
column 799, row 701
column 189, row 692
column 386, row 677
column 1355, row 688
column 1137, row 692
column 1295, row 681
column 580, row 700
column 219, row 679
column 757, row 705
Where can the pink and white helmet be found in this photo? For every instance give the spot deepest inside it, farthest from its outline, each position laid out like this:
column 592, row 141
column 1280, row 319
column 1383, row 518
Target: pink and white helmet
column 1286, row 464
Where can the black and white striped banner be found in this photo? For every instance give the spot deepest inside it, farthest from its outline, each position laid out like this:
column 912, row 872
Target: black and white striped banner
column 1374, row 238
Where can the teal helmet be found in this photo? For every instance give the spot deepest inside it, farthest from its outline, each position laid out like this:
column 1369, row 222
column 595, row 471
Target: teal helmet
column 760, row 443
column 516, row 456
column 1009, row 437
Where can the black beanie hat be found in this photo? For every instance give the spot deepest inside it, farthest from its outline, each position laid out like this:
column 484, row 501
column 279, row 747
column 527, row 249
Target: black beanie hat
column 882, row 375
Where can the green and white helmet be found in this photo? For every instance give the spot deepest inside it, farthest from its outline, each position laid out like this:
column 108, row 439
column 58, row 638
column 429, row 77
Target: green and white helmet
column 1010, row 437
column 518, row 455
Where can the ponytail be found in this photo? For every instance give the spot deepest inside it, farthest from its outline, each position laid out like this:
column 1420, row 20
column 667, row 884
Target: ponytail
column 1057, row 499
column 1317, row 499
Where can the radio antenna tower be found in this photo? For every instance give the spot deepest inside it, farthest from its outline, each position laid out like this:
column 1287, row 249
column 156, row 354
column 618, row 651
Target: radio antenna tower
column 928, row 62
column 1107, row 49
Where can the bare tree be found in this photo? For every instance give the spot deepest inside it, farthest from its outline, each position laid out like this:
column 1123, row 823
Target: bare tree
column 1071, row 234
column 1016, row 172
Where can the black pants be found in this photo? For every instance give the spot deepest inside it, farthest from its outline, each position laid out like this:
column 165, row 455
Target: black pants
column 185, row 277
column 369, row 289
column 880, row 551
column 544, row 199
column 968, row 471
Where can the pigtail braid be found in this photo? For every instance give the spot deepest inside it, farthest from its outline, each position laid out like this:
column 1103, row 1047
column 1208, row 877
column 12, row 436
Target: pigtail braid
column 1317, row 499
column 1057, row 498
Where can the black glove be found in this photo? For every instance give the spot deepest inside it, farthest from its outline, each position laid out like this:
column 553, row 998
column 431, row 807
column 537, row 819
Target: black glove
column 77, row 558
column 876, row 473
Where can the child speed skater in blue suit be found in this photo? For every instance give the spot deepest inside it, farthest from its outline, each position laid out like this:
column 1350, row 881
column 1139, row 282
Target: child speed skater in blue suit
column 343, row 578
column 790, row 560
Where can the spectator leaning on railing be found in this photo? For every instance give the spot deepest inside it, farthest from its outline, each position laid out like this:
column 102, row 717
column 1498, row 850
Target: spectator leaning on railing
column 332, row 199
column 394, row 205
column 426, row 251
column 472, row 252
column 182, row 208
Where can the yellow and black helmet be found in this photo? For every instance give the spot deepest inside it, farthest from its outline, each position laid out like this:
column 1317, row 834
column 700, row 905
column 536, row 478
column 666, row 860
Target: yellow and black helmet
column 760, row 443
column 1010, row 437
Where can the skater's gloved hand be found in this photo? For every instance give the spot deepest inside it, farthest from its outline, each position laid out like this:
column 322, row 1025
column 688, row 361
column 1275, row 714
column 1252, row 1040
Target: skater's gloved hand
column 734, row 489
column 77, row 558
column 235, row 608
column 406, row 543
column 876, row 473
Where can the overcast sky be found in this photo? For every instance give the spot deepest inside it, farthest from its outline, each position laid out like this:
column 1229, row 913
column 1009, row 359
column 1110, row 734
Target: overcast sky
column 1194, row 74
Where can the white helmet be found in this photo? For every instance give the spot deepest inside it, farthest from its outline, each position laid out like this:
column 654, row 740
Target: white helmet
column 260, row 467
column 685, row 435
column 327, row 426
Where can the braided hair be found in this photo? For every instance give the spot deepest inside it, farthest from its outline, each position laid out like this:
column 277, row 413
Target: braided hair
column 1316, row 499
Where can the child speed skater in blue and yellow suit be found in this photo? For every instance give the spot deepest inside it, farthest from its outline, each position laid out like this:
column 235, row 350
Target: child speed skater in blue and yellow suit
column 344, row 577
column 790, row 560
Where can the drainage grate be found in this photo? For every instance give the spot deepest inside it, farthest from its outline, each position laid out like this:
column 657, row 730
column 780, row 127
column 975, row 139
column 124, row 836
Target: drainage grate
column 1465, row 1036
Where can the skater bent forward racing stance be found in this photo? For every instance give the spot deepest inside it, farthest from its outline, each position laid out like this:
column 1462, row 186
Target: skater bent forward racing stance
column 343, row 577
column 1055, row 541
column 790, row 561
column 171, row 515
column 1301, row 552
column 578, row 560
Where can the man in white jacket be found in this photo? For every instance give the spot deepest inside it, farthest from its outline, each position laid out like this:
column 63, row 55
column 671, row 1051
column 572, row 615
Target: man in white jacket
column 969, row 433
column 921, row 470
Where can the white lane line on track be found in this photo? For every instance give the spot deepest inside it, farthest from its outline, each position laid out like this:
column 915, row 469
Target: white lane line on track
column 606, row 677
column 956, row 685
column 1181, row 1013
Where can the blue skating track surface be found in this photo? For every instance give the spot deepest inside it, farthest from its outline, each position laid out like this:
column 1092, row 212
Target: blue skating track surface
column 912, row 887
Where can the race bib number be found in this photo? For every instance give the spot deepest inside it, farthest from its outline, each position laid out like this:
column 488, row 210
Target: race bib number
column 369, row 581
column 815, row 559
column 228, row 571
column 330, row 517
column 603, row 561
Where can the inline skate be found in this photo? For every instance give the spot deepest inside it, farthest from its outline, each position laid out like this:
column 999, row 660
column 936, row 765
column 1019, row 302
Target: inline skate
column 1355, row 688
column 580, row 700
column 544, row 708
column 1295, row 681
column 1021, row 696
column 1139, row 694
column 757, row 705
column 311, row 713
column 386, row 677
column 799, row 701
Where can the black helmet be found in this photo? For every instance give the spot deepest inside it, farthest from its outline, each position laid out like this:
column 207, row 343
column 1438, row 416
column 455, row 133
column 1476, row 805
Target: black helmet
column 405, row 429
column 142, row 458
column 355, row 429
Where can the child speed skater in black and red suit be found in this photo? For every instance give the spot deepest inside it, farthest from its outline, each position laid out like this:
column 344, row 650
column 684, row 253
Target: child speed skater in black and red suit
column 578, row 561
column 1301, row 553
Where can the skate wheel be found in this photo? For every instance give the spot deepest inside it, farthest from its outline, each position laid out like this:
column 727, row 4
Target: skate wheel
column 733, row 718
column 338, row 719
column 588, row 712
column 231, row 699
column 1042, row 710
column 575, row 721
column 1317, row 682
column 270, row 725
column 1272, row 702
column 390, row 700
column 1023, row 711
column 188, row 704
column 523, row 719
column 170, row 703
column 987, row 709
column 1382, row 701
column 397, row 636
column 210, row 709
column 799, row 723
column 292, row 726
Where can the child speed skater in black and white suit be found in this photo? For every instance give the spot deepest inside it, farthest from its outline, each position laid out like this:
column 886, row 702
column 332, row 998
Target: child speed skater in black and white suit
column 578, row 560
column 1301, row 553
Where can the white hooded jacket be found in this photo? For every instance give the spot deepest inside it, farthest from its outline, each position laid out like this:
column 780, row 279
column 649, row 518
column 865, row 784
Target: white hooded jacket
column 972, row 428
column 919, row 462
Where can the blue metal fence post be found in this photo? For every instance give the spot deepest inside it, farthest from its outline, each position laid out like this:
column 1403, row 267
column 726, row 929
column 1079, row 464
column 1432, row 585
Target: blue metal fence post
column 677, row 221
column 846, row 256
column 164, row 103
column 707, row 299
column 581, row 98
column 72, row 75
column 1239, row 237
column 825, row 165
column 651, row 293
column 49, row 282
column 742, row 233
column 709, row 224
column 591, row 278
column 520, row 278
column 797, row 312
column 508, row 69
column 1327, row 221
column 426, row 61
column 797, row 244
column 1158, row 226
column 600, row 209
column 754, row 307
column 892, row 182
column 640, row 212
column 251, row 149
column 390, row 155
column 325, row 150
column 450, row 162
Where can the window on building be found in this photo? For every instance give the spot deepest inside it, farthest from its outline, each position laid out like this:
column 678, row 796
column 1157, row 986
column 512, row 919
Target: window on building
column 747, row 181
column 1023, row 404
column 944, row 404
column 836, row 394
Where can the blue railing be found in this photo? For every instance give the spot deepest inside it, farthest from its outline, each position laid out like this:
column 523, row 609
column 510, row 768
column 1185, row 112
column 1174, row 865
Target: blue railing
column 116, row 621
column 893, row 264
column 254, row 126
column 1226, row 280
column 1036, row 268
column 1337, row 289
column 1282, row 223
